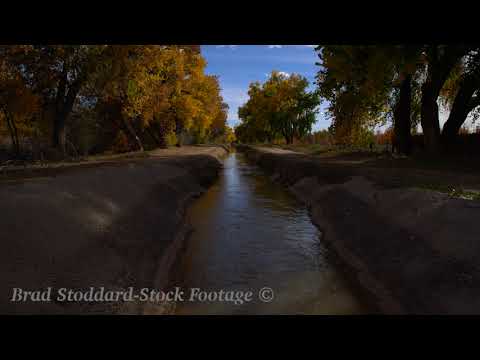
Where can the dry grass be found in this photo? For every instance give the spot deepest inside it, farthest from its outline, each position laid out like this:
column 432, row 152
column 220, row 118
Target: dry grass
column 453, row 174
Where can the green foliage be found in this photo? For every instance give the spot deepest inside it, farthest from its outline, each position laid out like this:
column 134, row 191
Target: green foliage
column 171, row 139
column 281, row 107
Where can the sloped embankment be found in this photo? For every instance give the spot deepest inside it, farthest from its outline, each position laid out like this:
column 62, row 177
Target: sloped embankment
column 113, row 225
column 412, row 251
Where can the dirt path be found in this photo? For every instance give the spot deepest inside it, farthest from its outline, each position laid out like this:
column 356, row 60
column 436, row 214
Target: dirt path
column 21, row 172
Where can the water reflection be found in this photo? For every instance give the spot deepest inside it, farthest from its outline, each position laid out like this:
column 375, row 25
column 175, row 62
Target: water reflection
column 251, row 233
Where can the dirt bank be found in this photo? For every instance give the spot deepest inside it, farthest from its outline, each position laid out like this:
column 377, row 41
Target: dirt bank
column 113, row 224
column 414, row 251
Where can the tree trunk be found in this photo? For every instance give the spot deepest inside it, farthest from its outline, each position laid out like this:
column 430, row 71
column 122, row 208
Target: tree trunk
column 58, row 140
column 430, row 124
column 462, row 105
column 64, row 106
column 289, row 133
column 153, row 136
column 402, row 123
column 178, row 132
column 59, row 135
column 289, row 139
column 439, row 68
column 12, row 129
column 162, row 142
column 132, row 135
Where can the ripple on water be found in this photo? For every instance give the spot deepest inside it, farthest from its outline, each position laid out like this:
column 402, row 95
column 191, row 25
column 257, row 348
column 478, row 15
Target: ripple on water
column 250, row 233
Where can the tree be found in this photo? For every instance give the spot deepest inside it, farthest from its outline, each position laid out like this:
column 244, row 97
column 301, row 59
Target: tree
column 462, row 95
column 279, row 107
column 18, row 105
column 209, row 113
column 255, row 124
column 229, row 135
column 402, row 83
column 139, row 94
column 369, row 85
column 440, row 62
column 167, row 90
column 219, row 127
column 57, row 73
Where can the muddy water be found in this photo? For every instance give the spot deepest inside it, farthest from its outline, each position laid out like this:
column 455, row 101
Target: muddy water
column 249, row 234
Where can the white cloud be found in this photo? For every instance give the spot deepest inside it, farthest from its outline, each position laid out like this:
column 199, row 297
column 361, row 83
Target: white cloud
column 280, row 46
column 280, row 72
column 270, row 46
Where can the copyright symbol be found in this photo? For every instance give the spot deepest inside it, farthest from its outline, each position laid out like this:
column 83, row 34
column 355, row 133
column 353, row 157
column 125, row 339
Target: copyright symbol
column 266, row 294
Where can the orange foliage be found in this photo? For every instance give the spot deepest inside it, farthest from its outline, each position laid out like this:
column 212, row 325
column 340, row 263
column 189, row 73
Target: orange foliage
column 384, row 138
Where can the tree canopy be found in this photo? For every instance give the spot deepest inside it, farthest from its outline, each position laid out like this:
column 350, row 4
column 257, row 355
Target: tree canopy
column 280, row 107
column 404, row 84
column 123, row 97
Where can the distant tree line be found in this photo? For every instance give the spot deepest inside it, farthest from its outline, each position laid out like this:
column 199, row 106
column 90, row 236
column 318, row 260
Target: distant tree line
column 81, row 99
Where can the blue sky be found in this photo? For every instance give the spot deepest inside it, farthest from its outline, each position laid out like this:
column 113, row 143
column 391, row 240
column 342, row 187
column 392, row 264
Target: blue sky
column 239, row 65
